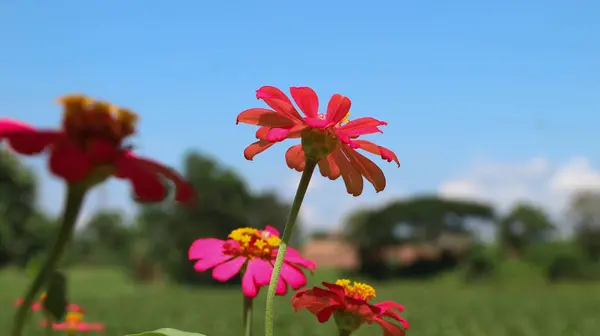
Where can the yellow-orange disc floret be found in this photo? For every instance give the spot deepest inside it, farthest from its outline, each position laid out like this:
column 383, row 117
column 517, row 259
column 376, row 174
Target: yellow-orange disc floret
column 357, row 290
column 86, row 119
column 254, row 243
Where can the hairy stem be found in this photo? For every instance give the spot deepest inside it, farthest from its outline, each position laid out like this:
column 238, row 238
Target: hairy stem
column 287, row 233
column 74, row 200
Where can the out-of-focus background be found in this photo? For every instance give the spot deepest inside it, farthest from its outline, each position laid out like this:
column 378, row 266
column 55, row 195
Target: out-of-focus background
column 490, row 227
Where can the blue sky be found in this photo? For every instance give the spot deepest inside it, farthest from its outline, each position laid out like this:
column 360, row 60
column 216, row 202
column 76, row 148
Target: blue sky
column 465, row 86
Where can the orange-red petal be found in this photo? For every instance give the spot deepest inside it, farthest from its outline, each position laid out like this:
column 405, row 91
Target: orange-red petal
column 352, row 177
column 372, row 148
column 295, row 158
column 264, row 117
column 256, row 148
column 366, row 167
column 329, row 168
column 362, row 126
column 278, row 101
column 307, row 100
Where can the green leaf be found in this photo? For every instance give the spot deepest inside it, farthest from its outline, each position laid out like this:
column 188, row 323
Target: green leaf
column 56, row 296
column 166, row 332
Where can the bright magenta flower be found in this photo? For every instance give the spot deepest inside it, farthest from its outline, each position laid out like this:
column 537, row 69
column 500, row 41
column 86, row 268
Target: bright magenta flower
column 74, row 324
column 252, row 252
column 89, row 147
column 333, row 137
column 348, row 303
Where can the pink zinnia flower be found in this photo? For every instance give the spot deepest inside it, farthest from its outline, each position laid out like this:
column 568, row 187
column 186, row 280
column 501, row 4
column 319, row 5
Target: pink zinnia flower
column 74, row 324
column 252, row 252
column 330, row 133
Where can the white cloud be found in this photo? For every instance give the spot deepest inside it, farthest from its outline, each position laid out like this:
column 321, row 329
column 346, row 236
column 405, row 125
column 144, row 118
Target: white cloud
column 535, row 180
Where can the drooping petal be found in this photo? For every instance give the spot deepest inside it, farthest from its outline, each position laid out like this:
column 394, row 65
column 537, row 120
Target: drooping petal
column 256, row 148
column 305, row 299
column 325, row 314
column 69, row 162
column 295, row 158
column 307, row 100
column 352, row 177
column 337, row 108
column 272, row 230
column 34, row 142
column 293, row 276
column 129, row 163
column 278, row 101
column 264, row 117
column 227, row 270
column 147, row 184
column 366, row 167
column 329, row 168
column 210, row 262
column 389, row 328
column 372, row 148
column 261, row 271
column 205, row 247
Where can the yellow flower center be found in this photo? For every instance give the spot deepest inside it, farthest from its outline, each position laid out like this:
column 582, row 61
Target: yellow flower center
column 43, row 296
column 85, row 118
column 357, row 290
column 74, row 317
column 253, row 243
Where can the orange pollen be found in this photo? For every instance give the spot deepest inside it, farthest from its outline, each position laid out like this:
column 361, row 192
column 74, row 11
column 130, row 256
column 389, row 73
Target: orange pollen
column 87, row 119
column 252, row 243
column 357, row 290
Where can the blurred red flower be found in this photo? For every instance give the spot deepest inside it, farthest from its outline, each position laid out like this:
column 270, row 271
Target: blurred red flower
column 89, row 148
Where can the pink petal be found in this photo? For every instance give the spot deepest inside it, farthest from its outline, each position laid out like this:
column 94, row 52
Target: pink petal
column 226, row 271
column 69, row 162
column 261, row 271
column 293, row 276
column 307, row 100
column 278, row 134
column 278, row 101
column 272, row 230
column 299, row 261
column 337, row 108
column 208, row 263
column 205, row 247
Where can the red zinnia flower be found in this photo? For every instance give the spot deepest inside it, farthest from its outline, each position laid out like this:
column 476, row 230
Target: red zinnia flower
column 330, row 139
column 89, row 148
column 350, row 308
column 250, row 251
column 74, row 324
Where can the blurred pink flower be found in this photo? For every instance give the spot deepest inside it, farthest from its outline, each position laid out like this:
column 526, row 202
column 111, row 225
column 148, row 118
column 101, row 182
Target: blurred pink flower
column 74, row 323
column 39, row 304
column 252, row 252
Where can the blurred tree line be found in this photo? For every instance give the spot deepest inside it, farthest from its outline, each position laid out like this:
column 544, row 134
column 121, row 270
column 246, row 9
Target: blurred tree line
column 155, row 242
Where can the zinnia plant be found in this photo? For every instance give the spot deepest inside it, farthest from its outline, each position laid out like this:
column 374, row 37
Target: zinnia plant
column 349, row 305
column 251, row 252
column 328, row 141
column 85, row 151
column 74, row 324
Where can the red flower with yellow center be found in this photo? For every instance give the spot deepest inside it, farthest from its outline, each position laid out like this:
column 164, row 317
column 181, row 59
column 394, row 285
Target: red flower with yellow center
column 329, row 139
column 349, row 304
column 251, row 252
column 89, row 148
column 74, row 324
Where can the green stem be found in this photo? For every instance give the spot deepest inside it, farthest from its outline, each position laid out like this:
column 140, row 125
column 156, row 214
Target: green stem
column 48, row 324
column 247, row 316
column 74, row 200
column 287, row 233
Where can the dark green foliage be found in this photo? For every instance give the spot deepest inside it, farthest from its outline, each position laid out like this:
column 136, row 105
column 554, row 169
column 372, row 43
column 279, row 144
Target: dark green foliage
column 56, row 296
column 524, row 225
column 480, row 264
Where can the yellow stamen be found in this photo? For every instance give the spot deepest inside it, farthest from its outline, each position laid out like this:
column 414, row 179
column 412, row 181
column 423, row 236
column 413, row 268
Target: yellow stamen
column 74, row 317
column 357, row 290
column 43, row 296
column 346, row 118
column 85, row 118
column 254, row 243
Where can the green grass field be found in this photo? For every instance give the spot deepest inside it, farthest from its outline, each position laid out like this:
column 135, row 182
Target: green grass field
column 433, row 308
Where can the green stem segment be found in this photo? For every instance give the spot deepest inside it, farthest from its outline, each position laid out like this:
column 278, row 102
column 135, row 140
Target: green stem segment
column 287, row 233
column 344, row 332
column 75, row 197
column 248, row 316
